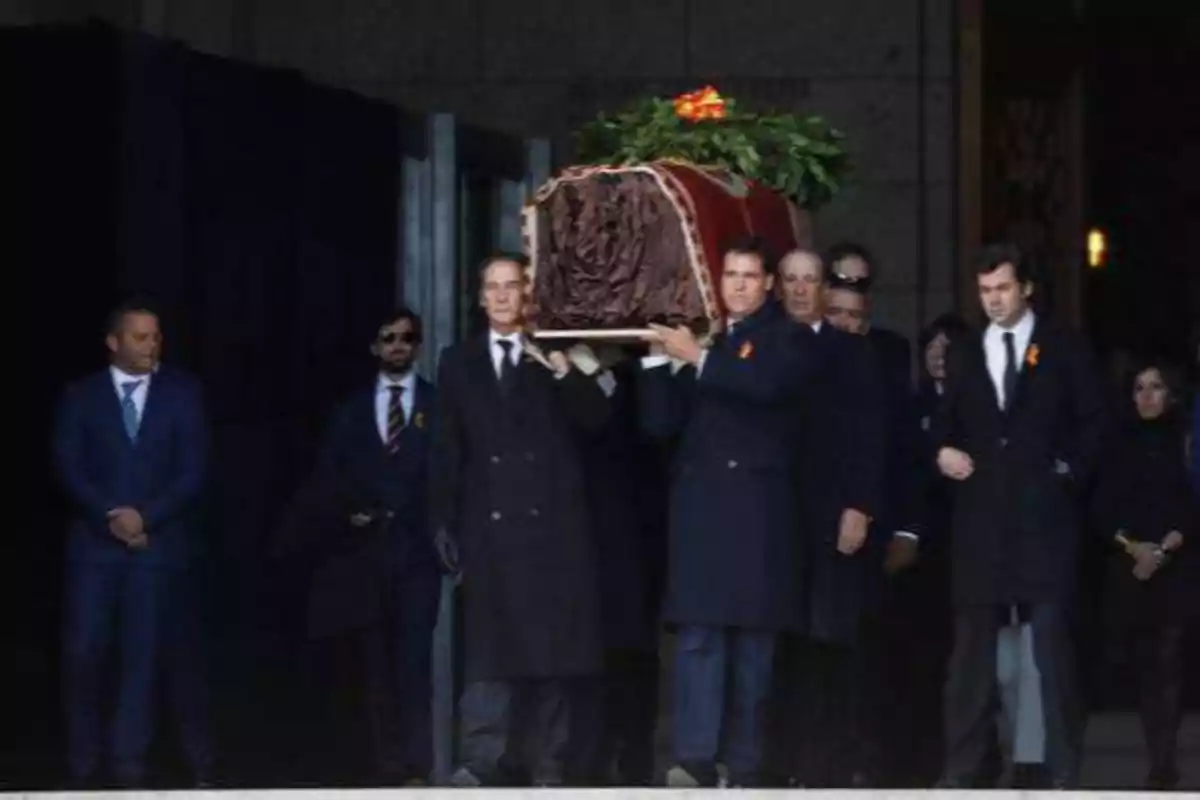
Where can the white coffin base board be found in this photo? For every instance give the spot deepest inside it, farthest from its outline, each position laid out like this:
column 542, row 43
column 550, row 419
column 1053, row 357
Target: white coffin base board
column 580, row 794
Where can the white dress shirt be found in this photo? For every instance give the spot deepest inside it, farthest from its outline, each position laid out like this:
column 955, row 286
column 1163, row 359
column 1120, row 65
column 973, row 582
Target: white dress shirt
column 139, row 394
column 383, row 399
column 994, row 351
column 650, row 362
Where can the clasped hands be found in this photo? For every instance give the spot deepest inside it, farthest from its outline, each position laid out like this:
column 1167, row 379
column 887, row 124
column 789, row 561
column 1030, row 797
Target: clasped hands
column 126, row 524
column 1148, row 557
column 955, row 464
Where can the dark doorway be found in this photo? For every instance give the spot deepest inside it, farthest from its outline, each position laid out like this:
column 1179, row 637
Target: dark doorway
column 1143, row 133
column 1143, row 167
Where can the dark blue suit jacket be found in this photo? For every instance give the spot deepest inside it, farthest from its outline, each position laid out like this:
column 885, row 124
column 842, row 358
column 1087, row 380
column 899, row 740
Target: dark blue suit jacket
column 368, row 480
column 161, row 474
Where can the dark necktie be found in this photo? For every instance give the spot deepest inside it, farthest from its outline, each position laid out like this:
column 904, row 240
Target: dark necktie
column 508, row 373
column 1010, row 370
column 395, row 418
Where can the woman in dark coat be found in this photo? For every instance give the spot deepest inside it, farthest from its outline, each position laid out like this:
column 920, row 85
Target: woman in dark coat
column 1146, row 512
column 924, row 620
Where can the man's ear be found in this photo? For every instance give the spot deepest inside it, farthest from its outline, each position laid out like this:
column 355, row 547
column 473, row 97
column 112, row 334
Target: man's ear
column 1027, row 289
column 111, row 342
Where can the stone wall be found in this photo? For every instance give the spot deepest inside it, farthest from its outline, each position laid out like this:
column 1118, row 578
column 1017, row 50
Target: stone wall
column 880, row 69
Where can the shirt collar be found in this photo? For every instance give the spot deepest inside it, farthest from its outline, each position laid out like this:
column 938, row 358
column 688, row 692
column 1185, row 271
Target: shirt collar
column 1021, row 331
column 407, row 381
column 120, row 376
column 515, row 338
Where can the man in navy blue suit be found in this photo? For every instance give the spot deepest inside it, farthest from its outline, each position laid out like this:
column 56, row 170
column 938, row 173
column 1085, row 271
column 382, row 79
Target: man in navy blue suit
column 380, row 576
column 130, row 445
column 734, row 557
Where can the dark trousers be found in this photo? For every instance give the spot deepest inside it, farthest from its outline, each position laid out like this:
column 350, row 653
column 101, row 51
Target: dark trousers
column 722, row 679
column 813, row 714
column 1158, row 658
column 971, row 698
column 612, row 731
column 902, row 668
column 516, row 726
column 397, row 655
column 114, row 617
column 187, row 675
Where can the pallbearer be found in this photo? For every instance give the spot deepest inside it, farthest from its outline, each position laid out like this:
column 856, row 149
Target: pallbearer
column 733, row 567
column 507, row 495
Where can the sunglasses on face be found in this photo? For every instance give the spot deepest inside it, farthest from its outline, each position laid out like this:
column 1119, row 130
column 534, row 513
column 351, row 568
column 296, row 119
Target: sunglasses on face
column 855, row 284
column 391, row 337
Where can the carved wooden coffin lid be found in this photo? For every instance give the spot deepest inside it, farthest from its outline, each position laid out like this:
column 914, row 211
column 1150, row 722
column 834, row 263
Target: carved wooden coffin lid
column 619, row 247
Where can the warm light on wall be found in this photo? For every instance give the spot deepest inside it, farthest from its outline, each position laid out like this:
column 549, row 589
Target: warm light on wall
column 1097, row 248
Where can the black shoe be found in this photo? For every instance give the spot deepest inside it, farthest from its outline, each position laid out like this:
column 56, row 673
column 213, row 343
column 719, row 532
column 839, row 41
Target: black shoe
column 80, row 784
column 1163, row 779
column 1030, row 777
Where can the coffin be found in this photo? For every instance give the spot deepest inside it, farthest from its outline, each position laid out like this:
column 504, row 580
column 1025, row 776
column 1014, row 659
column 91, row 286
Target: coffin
column 612, row 249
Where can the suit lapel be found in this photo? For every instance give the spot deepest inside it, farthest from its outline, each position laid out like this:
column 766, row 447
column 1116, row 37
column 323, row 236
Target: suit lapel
column 982, row 373
column 483, row 372
column 420, row 407
column 1026, row 366
column 366, row 426
column 154, row 407
column 110, row 406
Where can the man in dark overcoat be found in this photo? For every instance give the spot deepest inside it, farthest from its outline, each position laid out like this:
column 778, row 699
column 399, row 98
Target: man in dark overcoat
column 840, row 483
column 626, row 480
column 733, row 562
column 509, row 509
column 1020, row 427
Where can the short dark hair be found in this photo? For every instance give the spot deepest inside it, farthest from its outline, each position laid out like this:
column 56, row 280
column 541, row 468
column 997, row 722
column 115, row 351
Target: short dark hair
column 847, row 249
column 952, row 325
column 404, row 313
column 520, row 259
column 997, row 254
column 752, row 246
column 134, row 305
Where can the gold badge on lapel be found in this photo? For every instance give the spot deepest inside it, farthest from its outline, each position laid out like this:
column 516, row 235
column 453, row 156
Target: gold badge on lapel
column 419, row 419
column 1032, row 355
column 746, row 350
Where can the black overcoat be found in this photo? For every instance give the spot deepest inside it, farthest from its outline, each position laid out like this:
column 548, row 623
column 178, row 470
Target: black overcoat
column 734, row 542
column 1016, row 521
column 506, row 482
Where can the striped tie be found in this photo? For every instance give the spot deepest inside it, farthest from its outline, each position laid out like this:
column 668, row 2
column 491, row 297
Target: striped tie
column 396, row 420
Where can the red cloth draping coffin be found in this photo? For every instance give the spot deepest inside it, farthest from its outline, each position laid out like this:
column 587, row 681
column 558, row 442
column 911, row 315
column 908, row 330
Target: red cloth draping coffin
column 619, row 247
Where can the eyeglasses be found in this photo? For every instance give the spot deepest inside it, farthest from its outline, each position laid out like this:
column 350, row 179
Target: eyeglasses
column 391, row 337
column 862, row 285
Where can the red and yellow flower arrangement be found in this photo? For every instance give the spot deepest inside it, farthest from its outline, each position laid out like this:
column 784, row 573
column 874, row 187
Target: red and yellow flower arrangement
column 801, row 157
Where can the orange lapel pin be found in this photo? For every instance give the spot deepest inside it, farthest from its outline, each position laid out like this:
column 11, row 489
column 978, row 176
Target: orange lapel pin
column 746, row 350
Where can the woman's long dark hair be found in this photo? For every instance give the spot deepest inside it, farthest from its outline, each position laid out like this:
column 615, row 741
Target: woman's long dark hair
column 954, row 328
column 1172, row 376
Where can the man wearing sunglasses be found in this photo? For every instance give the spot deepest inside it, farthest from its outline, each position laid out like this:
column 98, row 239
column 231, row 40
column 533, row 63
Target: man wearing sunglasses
column 379, row 577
